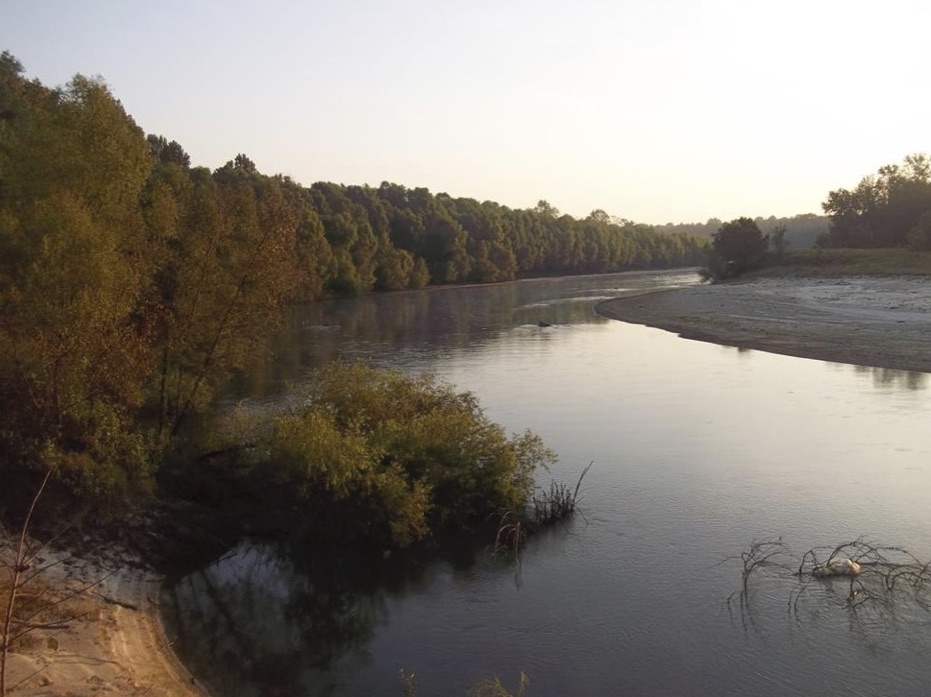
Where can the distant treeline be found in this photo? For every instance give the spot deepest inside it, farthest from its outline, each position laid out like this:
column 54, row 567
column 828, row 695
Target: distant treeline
column 801, row 231
column 355, row 239
column 133, row 285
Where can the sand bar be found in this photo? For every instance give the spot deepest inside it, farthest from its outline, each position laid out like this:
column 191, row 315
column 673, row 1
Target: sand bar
column 883, row 322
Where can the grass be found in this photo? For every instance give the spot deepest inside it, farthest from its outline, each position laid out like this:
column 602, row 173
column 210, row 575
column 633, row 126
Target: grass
column 550, row 507
column 546, row 508
column 897, row 261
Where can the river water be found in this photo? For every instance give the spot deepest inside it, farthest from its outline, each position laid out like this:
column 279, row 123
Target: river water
column 698, row 450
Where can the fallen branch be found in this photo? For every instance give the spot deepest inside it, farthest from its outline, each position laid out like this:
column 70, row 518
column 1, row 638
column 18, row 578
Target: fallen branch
column 871, row 574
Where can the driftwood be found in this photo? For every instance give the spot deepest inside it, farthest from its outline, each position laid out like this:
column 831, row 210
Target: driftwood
column 869, row 575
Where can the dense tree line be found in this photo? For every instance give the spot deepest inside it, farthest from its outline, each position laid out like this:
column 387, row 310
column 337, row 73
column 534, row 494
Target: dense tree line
column 799, row 231
column 133, row 284
column 889, row 209
column 392, row 237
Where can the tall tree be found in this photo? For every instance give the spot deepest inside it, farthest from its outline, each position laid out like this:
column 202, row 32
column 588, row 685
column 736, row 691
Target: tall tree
column 73, row 356
column 882, row 209
column 228, row 266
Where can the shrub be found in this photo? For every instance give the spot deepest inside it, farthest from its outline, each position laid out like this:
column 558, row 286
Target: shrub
column 394, row 458
column 738, row 246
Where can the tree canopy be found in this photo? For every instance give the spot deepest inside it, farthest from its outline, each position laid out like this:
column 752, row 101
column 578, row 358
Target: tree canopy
column 133, row 284
column 738, row 246
column 799, row 231
column 883, row 208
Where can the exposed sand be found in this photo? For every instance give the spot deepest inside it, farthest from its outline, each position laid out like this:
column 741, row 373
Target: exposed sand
column 113, row 641
column 883, row 322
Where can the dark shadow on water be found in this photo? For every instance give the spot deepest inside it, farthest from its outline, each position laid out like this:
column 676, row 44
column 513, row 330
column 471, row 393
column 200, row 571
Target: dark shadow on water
column 275, row 619
column 435, row 322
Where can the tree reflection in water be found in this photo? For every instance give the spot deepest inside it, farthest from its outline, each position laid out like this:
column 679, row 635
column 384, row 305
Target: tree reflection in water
column 436, row 322
column 281, row 616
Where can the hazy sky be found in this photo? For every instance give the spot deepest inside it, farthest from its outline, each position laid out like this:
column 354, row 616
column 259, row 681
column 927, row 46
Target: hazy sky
column 656, row 110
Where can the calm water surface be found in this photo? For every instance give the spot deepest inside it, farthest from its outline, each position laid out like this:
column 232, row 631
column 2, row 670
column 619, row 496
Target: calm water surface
column 698, row 450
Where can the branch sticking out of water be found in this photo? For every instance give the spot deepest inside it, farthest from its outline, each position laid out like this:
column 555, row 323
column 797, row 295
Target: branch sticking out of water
column 872, row 575
column 761, row 555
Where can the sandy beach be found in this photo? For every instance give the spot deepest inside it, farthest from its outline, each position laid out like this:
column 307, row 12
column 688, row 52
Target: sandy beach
column 107, row 638
column 883, row 322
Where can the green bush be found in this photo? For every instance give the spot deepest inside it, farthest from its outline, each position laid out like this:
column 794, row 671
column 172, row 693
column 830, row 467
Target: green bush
column 738, row 246
column 395, row 458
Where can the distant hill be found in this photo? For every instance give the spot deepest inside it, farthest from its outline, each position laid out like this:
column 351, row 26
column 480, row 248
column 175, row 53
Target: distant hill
column 801, row 230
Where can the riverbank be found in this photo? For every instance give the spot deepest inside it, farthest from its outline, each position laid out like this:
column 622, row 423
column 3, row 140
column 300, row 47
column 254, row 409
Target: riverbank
column 107, row 636
column 877, row 321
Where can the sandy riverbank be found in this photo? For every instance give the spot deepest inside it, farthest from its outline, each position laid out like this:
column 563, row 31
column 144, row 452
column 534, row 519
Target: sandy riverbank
column 109, row 640
column 883, row 322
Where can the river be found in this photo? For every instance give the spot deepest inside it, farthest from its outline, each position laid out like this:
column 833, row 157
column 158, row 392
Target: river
column 698, row 450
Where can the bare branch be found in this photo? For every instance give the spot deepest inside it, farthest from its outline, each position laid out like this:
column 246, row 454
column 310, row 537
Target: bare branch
column 873, row 575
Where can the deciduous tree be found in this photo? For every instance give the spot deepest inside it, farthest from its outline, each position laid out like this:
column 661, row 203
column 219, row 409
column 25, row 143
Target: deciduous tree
column 738, row 246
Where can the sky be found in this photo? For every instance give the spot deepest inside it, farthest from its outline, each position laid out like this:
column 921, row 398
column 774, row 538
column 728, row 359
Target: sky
column 656, row 111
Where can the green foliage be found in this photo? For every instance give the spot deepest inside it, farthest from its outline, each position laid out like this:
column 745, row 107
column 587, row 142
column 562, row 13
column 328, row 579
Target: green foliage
column 738, row 246
column 883, row 210
column 227, row 261
column 397, row 456
column 73, row 360
column 800, row 231
column 340, row 472
column 133, row 286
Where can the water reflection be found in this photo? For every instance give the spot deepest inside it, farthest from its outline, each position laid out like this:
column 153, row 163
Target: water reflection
column 272, row 619
column 885, row 378
column 697, row 448
column 420, row 330
column 407, row 329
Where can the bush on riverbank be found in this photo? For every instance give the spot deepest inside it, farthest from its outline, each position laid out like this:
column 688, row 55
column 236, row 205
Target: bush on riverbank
column 377, row 458
column 737, row 247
